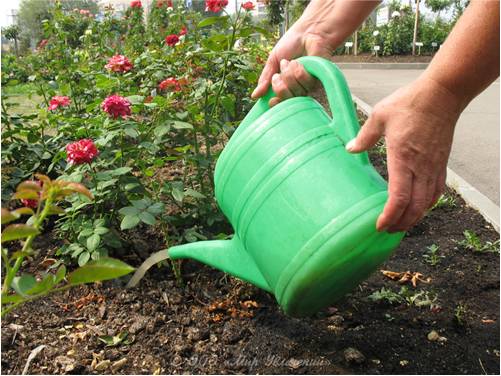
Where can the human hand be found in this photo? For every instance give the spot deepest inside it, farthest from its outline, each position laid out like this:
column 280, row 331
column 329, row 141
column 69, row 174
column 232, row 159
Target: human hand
column 418, row 123
column 289, row 78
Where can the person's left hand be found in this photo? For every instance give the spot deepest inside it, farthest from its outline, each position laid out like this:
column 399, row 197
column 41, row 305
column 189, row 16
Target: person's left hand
column 418, row 123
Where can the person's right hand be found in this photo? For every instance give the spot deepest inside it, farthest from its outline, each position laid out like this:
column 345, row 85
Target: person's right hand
column 288, row 78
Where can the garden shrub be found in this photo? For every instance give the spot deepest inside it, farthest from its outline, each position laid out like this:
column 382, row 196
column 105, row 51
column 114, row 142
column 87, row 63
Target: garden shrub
column 138, row 114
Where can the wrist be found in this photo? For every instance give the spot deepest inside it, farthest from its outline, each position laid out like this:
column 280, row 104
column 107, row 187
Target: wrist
column 433, row 97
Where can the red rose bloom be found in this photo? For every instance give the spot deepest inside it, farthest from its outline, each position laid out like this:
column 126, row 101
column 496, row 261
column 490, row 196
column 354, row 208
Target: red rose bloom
column 215, row 5
column 85, row 12
column 170, row 83
column 58, row 101
column 249, row 5
column 183, row 31
column 136, row 4
column 83, row 151
column 171, row 40
column 119, row 63
column 116, row 106
column 167, row 3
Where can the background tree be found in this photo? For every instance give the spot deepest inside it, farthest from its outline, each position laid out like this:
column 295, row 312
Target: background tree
column 12, row 32
column 33, row 12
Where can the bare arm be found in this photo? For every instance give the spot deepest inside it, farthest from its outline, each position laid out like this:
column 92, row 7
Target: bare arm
column 468, row 61
column 418, row 120
column 323, row 26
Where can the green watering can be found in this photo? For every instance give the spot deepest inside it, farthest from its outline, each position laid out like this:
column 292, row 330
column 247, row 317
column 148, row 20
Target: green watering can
column 304, row 210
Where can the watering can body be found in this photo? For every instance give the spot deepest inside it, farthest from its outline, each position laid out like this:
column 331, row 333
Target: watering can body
column 303, row 209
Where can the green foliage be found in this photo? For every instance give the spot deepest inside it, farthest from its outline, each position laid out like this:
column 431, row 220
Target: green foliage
column 431, row 256
column 459, row 314
column 406, row 296
column 276, row 9
column 473, row 243
column 155, row 167
column 445, row 201
column 44, row 196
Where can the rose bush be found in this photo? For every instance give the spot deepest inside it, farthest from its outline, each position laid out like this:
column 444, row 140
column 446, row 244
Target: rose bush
column 147, row 109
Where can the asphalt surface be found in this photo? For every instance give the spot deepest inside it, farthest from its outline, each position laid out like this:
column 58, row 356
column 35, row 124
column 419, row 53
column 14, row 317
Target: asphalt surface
column 475, row 150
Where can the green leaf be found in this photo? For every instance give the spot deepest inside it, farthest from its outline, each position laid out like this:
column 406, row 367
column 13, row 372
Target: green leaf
column 101, row 230
column 177, row 194
column 7, row 216
column 156, row 208
column 211, row 21
column 161, row 130
column 140, row 204
column 147, row 218
column 93, row 242
column 181, row 125
column 135, row 99
column 121, row 171
column 193, row 193
column 129, row 221
column 60, row 274
column 83, row 258
column 99, row 270
column 23, row 284
column 11, row 298
column 129, row 210
column 18, row 231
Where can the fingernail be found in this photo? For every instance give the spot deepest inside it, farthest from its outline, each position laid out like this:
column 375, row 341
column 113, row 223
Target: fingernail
column 351, row 145
column 275, row 77
column 254, row 92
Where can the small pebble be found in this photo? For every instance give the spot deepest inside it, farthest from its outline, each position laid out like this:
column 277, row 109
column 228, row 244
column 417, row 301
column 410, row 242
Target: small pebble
column 404, row 363
column 435, row 337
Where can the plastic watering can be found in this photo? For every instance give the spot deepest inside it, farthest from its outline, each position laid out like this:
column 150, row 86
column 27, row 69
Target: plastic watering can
column 303, row 209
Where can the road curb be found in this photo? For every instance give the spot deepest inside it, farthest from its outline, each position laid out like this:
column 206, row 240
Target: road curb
column 342, row 65
column 472, row 196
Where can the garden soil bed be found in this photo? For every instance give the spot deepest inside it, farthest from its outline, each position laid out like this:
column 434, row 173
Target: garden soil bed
column 218, row 324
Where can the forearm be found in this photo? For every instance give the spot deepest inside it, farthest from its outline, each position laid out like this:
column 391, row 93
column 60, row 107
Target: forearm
column 334, row 19
column 468, row 61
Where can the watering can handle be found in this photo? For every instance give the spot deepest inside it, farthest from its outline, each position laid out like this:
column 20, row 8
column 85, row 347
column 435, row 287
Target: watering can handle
column 341, row 105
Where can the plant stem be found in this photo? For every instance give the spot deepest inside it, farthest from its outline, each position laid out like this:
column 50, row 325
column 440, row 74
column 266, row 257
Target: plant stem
column 27, row 244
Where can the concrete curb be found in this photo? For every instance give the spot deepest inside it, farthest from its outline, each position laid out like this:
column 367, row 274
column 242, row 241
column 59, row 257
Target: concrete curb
column 474, row 198
column 382, row 65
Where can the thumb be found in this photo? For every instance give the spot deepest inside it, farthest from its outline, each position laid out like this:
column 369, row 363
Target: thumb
column 369, row 135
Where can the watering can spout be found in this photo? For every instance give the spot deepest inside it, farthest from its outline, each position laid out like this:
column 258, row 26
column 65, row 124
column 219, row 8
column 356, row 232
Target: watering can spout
column 227, row 255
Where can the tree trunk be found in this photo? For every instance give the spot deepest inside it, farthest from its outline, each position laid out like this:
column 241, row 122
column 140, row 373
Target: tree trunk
column 355, row 43
column 16, row 47
column 414, row 39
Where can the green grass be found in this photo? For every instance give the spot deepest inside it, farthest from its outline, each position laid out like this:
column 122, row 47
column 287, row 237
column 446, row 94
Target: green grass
column 23, row 97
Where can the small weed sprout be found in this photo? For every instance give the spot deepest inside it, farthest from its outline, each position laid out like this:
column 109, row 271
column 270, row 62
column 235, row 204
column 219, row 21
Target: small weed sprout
column 459, row 314
column 445, row 201
column 431, row 256
column 472, row 242
column 386, row 295
column 419, row 298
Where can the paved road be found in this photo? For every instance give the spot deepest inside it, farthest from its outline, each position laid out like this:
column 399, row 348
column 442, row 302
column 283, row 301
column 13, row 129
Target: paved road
column 475, row 151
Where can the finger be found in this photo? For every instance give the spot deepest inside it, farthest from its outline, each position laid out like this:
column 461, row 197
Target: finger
column 304, row 78
column 399, row 191
column 264, row 81
column 422, row 191
column 279, row 87
column 288, row 75
column 369, row 135
column 439, row 187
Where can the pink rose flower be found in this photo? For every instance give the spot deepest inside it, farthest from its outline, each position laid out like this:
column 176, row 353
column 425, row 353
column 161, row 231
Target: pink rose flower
column 83, row 151
column 116, row 106
column 58, row 101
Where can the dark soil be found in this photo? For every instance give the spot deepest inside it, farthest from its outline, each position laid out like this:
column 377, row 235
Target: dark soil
column 218, row 324
column 370, row 58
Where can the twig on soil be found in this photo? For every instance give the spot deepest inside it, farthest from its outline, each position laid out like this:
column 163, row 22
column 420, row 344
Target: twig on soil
column 481, row 365
column 32, row 356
